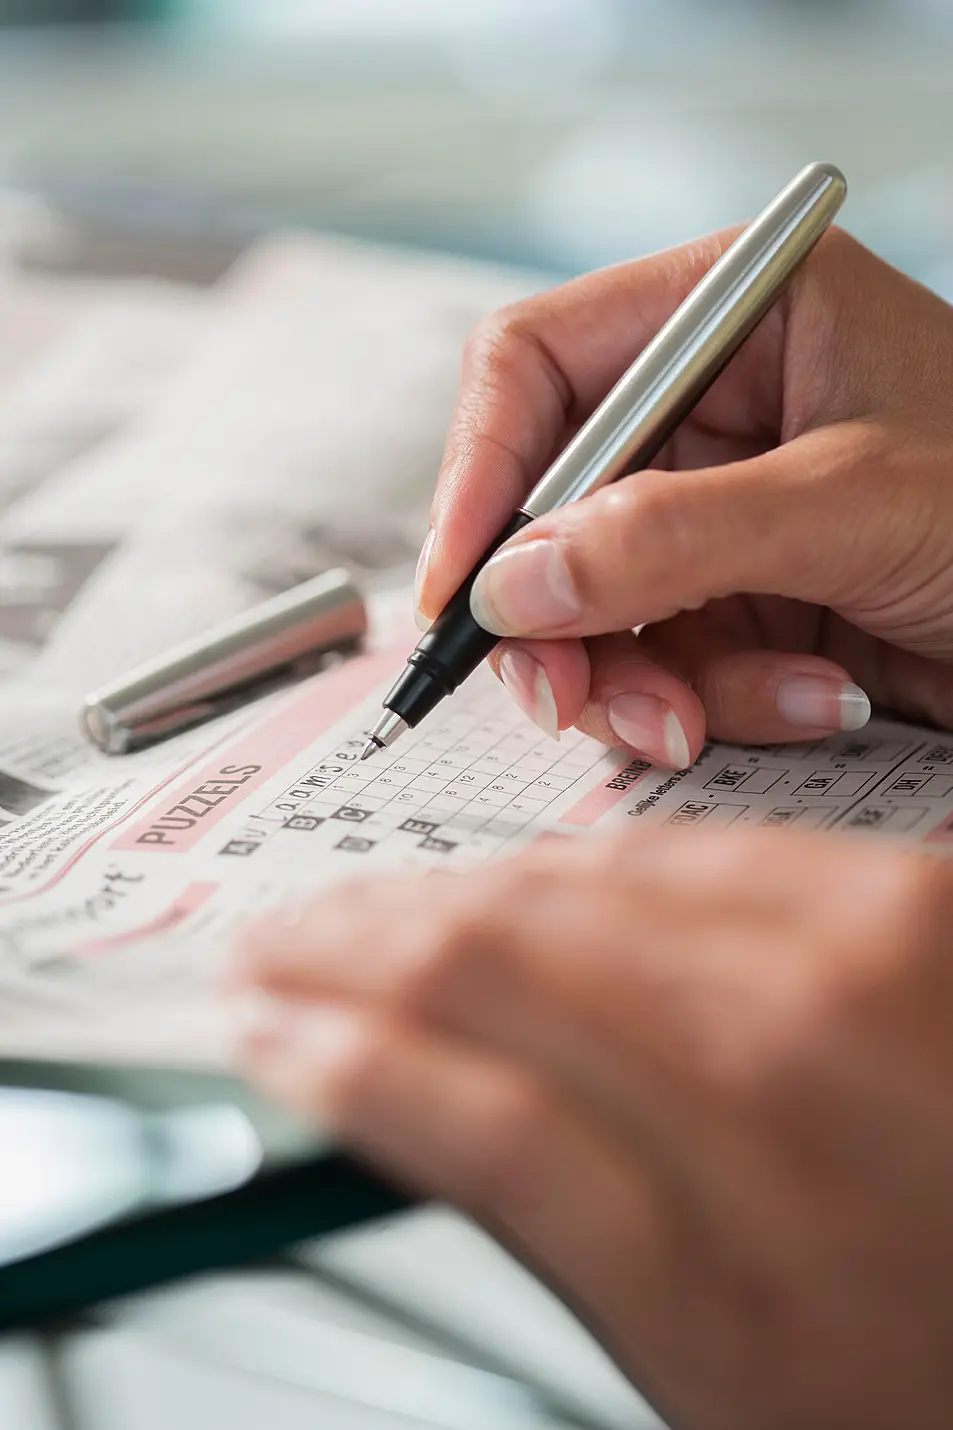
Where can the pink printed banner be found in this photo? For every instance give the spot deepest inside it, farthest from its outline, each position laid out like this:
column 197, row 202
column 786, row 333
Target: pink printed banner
column 600, row 800
column 189, row 811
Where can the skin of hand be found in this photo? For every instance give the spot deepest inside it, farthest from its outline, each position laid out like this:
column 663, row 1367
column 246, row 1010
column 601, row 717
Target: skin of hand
column 715, row 1116
column 788, row 559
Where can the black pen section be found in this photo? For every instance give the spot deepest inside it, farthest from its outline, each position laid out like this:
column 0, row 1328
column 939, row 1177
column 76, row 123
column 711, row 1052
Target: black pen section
column 452, row 648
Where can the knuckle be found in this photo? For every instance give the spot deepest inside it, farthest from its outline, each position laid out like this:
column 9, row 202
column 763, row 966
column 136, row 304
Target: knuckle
column 493, row 340
column 358, row 1071
column 655, row 509
column 473, row 939
column 517, row 1127
column 643, row 525
column 437, row 960
column 506, row 346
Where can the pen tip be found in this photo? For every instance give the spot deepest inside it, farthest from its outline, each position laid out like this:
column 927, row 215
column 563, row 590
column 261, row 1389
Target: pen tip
column 388, row 728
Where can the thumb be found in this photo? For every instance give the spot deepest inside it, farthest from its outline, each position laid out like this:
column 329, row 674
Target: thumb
column 798, row 521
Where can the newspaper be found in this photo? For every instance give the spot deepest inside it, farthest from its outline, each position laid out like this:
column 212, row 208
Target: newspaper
column 168, row 458
column 305, row 428
column 92, row 358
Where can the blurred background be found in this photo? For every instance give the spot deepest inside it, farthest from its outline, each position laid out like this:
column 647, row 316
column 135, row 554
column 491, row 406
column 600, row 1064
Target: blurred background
column 558, row 134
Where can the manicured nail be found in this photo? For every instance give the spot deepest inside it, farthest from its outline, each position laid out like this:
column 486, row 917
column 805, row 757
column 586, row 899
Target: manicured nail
column 650, row 726
column 420, row 576
column 811, row 702
column 526, row 680
column 526, row 590
column 288, row 1040
column 257, row 1020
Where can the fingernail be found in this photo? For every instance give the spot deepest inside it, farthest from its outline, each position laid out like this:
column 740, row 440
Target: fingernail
column 257, row 1020
column 811, row 702
column 526, row 680
column 420, row 576
column 650, row 726
column 294, row 1038
column 526, row 590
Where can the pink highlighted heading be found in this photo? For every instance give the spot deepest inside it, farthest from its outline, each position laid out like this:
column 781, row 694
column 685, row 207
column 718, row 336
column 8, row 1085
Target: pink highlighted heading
column 600, row 800
column 193, row 808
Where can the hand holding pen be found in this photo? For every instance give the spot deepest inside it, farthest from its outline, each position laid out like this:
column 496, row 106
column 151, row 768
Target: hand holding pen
column 543, row 373
column 782, row 557
column 733, row 1044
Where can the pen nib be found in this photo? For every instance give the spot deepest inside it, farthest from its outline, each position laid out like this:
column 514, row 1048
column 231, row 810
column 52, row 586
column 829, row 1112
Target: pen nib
column 388, row 729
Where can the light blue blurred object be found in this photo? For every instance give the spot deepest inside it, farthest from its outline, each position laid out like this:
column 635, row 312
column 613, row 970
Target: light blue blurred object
column 553, row 134
column 625, row 186
column 69, row 1165
column 73, row 1164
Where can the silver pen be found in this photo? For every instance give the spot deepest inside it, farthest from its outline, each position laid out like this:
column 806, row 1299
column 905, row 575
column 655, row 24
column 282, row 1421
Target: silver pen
column 285, row 638
column 635, row 421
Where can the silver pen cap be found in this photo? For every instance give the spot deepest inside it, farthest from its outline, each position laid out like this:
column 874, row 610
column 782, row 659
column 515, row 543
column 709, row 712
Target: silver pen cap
column 287, row 637
column 667, row 379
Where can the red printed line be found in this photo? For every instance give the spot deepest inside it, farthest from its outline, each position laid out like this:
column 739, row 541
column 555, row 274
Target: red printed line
column 191, row 899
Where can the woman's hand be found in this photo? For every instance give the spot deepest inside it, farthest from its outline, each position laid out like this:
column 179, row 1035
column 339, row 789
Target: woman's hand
column 793, row 551
column 703, row 1085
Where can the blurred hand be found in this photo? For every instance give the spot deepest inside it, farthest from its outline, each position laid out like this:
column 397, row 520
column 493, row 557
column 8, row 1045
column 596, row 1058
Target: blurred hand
column 702, row 1085
column 792, row 556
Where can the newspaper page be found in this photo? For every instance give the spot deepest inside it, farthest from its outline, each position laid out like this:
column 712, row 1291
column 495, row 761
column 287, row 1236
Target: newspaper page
column 235, row 443
column 106, row 352
column 123, row 881
column 305, row 429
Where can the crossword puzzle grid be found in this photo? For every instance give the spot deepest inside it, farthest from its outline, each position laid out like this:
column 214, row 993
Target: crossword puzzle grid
column 466, row 786
column 463, row 786
column 893, row 782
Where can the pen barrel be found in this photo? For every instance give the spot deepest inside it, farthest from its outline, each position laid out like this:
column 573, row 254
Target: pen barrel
column 642, row 410
column 451, row 649
column 675, row 369
column 285, row 637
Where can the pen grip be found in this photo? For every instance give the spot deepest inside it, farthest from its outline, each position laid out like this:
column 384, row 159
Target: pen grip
column 451, row 649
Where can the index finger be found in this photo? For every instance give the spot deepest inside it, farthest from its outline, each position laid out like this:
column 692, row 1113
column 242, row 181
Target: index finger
column 531, row 374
